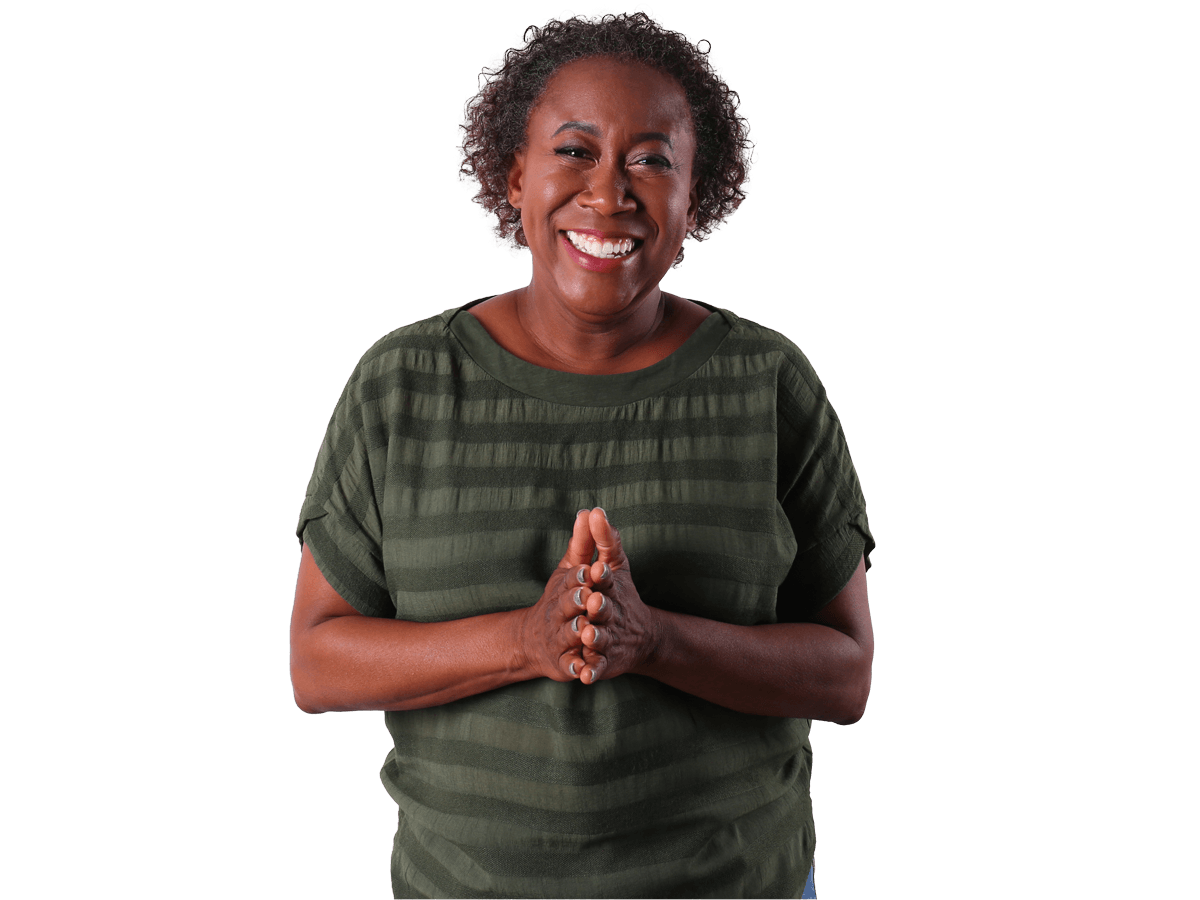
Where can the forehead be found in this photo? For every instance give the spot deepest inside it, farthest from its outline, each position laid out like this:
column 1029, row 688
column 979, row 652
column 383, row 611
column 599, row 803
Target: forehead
column 613, row 93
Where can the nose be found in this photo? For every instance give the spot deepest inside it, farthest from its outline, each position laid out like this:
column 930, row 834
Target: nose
column 607, row 191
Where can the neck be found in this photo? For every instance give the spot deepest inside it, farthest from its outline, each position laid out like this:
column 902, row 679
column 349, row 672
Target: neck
column 576, row 340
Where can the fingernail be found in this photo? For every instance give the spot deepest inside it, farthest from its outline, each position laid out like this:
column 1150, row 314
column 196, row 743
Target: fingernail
column 607, row 572
column 602, row 512
column 575, row 624
column 579, row 596
column 592, row 676
column 580, row 513
column 603, row 600
column 573, row 665
column 582, row 577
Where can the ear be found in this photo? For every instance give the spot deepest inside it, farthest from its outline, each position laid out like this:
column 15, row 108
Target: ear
column 516, row 173
column 693, row 204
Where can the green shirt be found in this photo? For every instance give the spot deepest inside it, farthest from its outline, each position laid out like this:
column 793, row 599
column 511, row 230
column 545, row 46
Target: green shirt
column 446, row 487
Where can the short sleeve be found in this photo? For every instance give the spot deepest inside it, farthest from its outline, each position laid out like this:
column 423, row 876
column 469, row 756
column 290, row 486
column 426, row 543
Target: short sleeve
column 819, row 492
column 340, row 521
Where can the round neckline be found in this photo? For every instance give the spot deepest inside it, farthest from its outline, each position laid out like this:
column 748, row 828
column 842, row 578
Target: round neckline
column 574, row 389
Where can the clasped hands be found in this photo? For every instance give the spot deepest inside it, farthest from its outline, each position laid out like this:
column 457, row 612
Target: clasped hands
column 590, row 622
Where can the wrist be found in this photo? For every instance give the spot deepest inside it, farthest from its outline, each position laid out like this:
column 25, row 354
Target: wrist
column 519, row 660
column 658, row 630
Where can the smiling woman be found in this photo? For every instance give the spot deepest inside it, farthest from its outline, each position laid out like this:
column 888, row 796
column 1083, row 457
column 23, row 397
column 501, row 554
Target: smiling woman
column 498, row 116
column 577, row 711
column 605, row 186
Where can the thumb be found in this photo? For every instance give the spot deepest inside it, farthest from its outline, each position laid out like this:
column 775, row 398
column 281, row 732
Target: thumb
column 582, row 546
column 607, row 538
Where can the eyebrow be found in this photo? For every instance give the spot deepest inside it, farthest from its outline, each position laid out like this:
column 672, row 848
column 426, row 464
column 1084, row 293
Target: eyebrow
column 588, row 128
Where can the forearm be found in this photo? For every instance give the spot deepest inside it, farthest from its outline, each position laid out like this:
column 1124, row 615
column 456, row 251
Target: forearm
column 800, row 670
column 359, row 662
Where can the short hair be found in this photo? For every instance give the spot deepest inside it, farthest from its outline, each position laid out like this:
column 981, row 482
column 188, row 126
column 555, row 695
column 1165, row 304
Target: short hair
column 497, row 117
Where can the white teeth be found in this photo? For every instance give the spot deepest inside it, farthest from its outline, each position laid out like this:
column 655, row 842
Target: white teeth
column 600, row 249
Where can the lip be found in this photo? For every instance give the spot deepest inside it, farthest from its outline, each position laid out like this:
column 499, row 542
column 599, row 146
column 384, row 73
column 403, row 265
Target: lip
column 594, row 263
column 602, row 235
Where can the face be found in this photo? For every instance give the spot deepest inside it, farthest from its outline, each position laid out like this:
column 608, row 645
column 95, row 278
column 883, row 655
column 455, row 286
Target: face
column 604, row 184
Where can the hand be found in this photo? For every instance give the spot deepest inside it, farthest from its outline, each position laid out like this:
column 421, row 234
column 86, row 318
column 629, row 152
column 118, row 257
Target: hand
column 551, row 637
column 621, row 631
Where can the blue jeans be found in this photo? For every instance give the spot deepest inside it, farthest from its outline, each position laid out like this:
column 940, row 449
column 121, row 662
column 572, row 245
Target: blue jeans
column 810, row 886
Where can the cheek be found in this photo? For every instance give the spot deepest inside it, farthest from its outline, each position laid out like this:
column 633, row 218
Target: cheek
column 680, row 215
column 551, row 195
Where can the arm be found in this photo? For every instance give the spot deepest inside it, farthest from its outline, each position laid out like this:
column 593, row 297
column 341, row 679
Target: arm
column 810, row 670
column 343, row 660
column 818, row 670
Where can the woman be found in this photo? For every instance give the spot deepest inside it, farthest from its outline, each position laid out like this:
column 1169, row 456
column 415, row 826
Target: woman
column 628, row 717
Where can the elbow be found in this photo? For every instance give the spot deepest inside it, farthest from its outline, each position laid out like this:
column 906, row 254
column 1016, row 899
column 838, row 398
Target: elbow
column 312, row 702
column 852, row 714
column 854, row 700
column 304, row 689
column 304, row 699
column 311, row 670
column 305, row 703
column 858, row 687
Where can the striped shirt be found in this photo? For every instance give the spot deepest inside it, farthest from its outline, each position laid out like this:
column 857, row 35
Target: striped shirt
column 446, row 487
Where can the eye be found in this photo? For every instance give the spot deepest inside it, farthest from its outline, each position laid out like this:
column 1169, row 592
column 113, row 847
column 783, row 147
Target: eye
column 572, row 151
column 653, row 160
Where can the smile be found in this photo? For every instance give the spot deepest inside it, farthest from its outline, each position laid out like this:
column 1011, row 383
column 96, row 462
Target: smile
column 599, row 248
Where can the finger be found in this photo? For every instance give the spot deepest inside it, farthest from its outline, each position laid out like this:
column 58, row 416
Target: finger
column 594, row 638
column 593, row 672
column 574, row 601
column 579, row 576
column 581, row 546
column 572, row 664
column 598, row 608
column 600, row 576
column 606, row 538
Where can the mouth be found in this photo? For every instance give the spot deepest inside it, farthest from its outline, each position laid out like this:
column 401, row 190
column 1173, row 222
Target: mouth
column 599, row 247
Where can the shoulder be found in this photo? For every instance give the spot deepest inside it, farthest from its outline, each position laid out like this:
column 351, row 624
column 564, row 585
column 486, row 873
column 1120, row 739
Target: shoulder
column 421, row 359
column 399, row 349
column 748, row 338
column 794, row 373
